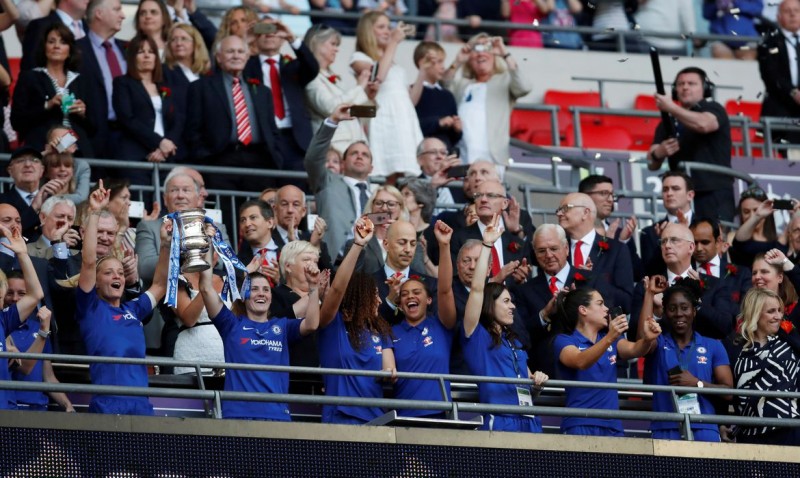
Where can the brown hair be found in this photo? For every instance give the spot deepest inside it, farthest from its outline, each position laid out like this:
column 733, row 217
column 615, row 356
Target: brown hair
column 52, row 160
column 134, row 46
column 425, row 47
column 166, row 21
column 358, row 310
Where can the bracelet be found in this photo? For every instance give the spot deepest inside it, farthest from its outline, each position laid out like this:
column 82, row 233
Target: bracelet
column 357, row 244
column 487, row 245
column 43, row 334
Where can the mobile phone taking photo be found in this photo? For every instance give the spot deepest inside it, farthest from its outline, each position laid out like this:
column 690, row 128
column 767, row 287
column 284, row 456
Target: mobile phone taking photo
column 65, row 142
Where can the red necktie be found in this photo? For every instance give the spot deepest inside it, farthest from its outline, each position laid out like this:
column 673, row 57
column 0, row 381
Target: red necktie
column 577, row 261
column 263, row 253
column 111, row 59
column 707, row 267
column 496, row 266
column 553, row 286
column 243, row 133
column 277, row 92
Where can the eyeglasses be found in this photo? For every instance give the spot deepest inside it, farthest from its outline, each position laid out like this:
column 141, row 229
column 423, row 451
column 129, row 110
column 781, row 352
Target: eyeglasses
column 566, row 207
column 26, row 159
column 754, row 193
column 389, row 204
column 604, row 194
column 672, row 240
column 477, row 196
column 442, row 152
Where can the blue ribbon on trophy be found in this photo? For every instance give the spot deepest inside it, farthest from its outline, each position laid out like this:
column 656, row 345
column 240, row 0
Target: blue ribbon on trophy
column 188, row 235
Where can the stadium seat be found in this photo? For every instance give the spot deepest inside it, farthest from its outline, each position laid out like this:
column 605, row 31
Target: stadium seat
column 532, row 126
column 751, row 109
column 565, row 99
column 600, row 137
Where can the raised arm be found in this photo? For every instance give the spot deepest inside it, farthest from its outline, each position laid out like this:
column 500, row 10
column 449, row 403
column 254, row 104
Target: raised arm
column 159, row 286
column 746, row 230
column 472, row 311
column 210, row 297
column 16, row 243
column 37, row 346
column 652, row 286
column 97, row 201
column 446, row 299
column 363, row 231
column 311, row 321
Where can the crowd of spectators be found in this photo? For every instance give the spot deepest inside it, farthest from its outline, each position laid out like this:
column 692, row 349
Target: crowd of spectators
column 390, row 277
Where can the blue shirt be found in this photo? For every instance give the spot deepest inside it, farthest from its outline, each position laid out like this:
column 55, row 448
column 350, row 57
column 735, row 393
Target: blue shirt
column 24, row 336
column 114, row 332
column 336, row 352
column 424, row 348
column 263, row 343
column 9, row 320
column 484, row 358
column 108, row 81
column 604, row 370
column 700, row 358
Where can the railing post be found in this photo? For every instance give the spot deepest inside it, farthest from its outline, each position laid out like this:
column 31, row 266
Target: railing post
column 768, row 152
column 217, row 405
column 576, row 126
column 555, row 135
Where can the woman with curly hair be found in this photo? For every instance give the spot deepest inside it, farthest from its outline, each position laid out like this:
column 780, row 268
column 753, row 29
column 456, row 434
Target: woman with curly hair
column 238, row 21
column 491, row 347
column 353, row 336
column 684, row 358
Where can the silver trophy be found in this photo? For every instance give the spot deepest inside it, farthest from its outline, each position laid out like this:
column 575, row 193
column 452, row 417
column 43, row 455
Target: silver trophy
column 194, row 243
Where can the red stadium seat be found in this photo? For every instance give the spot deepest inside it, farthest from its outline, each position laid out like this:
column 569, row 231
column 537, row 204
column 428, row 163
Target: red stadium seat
column 751, row 109
column 532, row 126
column 600, row 137
column 565, row 99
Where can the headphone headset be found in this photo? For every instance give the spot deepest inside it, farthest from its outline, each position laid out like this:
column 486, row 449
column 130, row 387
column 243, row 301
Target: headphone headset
column 708, row 85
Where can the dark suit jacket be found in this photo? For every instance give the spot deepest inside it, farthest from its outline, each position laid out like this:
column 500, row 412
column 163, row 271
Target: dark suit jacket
column 457, row 221
column 652, row 262
column 295, row 75
column 395, row 316
column 29, row 218
column 209, row 122
column 774, row 69
column 516, row 252
column 33, row 36
column 245, row 253
column 371, row 258
column 204, row 26
column 715, row 318
column 97, row 100
column 738, row 279
column 137, row 118
column 612, row 272
column 531, row 298
column 32, row 122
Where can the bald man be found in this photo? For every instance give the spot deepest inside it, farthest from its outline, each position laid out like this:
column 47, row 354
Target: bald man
column 290, row 210
column 603, row 261
column 400, row 245
column 716, row 317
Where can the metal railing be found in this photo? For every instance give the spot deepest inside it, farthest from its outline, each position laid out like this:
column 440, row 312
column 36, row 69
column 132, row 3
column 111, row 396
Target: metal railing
column 445, row 405
column 620, row 35
column 601, row 82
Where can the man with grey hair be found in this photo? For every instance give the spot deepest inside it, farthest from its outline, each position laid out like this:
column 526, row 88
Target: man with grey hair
column 231, row 121
column 717, row 316
column 434, row 161
column 603, row 263
column 181, row 192
column 103, row 59
column 535, row 300
column 57, row 217
column 290, row 209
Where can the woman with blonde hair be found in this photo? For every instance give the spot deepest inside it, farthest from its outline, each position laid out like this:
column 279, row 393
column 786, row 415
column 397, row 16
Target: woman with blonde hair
column 394, row 133
column 238, row 21
column 483, row 74
column 186, row 57
column 769, row 361
column 325, row 92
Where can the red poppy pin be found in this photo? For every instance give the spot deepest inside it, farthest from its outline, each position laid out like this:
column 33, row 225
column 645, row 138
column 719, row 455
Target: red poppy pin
column 731, row 270
column 513, row 247
column 579, row 277
column 254, row 83
column 333, row 79
column 286, row 59
column 789, row 308
column 603, row 245
column 165, row 92
column 787, row 326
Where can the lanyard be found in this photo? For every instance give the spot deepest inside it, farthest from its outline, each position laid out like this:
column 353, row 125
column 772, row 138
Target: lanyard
column 514, row 357
column 684, row 359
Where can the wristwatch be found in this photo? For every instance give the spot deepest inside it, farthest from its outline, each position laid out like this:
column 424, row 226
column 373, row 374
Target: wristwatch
column 43, row 334
column 700, row 384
